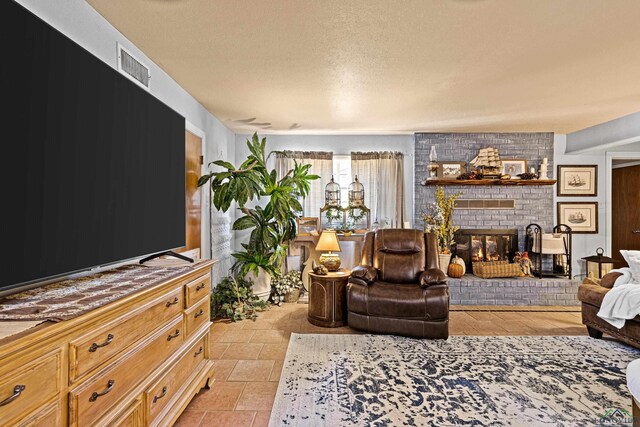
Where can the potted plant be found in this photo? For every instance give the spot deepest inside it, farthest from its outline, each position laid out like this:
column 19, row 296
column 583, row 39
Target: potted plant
column 234, row 299
column 287, row 288
column 272, row 225
column 438, row 218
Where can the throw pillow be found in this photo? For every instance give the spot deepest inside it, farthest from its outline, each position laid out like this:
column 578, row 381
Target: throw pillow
column 633, row 259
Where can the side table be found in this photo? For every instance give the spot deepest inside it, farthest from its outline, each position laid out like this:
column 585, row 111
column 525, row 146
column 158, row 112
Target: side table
column 328, row 299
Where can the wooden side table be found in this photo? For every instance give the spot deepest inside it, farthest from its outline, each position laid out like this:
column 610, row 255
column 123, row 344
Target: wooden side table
column 328, row 299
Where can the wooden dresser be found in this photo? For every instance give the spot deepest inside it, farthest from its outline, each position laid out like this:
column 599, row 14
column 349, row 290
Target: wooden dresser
column 137, row 361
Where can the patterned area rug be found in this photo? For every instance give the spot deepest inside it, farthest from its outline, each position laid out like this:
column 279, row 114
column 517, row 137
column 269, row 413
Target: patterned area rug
column 70, row 298
column 374, row 380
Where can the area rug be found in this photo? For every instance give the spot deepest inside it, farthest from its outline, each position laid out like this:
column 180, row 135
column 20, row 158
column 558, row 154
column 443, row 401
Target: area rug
column 374, row 380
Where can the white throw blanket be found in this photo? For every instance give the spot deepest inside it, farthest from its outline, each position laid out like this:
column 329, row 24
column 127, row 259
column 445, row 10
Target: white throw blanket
column 622, row 302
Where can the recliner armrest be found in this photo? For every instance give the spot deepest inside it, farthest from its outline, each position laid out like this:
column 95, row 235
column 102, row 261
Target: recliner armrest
column 364, row 273
column 432, row 276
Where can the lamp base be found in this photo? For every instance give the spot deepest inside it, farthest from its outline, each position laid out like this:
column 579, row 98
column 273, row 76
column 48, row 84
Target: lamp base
column 330, row 261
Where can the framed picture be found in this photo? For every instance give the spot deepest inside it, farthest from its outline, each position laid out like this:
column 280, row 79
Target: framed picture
column 577, row 180
column 514, row 167
column 307, row 225
column 451, row 170
column 582, row 217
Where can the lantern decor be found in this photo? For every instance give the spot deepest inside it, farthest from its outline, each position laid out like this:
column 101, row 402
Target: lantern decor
column 328, row 242
column 356, row 193
column 332, row 193
column 598, row 265
column 332, row 213
column 358, row 216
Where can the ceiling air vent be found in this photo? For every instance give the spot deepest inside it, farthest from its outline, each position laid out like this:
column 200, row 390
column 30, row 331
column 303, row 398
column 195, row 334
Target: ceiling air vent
column 131, row 67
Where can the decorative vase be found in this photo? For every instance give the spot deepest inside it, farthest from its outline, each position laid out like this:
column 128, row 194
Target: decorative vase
column 261, row 284
column 443, row 261
column 292, row 296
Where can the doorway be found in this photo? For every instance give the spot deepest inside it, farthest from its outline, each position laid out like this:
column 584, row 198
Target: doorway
column 625, row 206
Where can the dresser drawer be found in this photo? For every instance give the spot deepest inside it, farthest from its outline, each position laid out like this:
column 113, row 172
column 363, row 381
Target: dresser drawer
column 196, row 290
column 197, row 315
column 96, row 396
column 30, row 387
column 99, row 346
column 48, row 417
column 165, row 390
column 131, row 416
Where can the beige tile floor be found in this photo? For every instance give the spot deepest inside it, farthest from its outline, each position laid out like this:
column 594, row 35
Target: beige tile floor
column 249, row 355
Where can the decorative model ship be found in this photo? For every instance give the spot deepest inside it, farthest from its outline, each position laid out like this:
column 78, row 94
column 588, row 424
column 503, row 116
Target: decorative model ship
column 488, row 159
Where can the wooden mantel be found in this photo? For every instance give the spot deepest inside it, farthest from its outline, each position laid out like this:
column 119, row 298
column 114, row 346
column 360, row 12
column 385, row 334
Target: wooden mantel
column 488, row 182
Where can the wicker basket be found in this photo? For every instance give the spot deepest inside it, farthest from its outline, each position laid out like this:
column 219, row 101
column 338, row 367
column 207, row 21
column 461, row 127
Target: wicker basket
column 292, row 296
column 496, row 269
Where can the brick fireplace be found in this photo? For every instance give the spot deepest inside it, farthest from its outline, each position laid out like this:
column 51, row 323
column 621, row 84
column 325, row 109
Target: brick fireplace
column 496, row 215
column 474, row 245
column 489, row 207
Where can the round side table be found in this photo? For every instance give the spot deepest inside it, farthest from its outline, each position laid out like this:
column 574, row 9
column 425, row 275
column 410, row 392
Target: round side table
column 328, row 299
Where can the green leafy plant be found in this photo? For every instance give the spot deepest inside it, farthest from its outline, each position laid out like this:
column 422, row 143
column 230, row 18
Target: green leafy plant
column 273, row 225
column 234, row 299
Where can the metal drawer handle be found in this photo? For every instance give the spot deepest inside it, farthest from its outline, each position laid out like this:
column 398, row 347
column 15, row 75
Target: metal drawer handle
column 96, row 346
column 199, row 287
column 636, row 231
column 17, row 391
column 95, row 395
column 198, row 352
column 176, row 335
column 199, row 313
column 164, row 392
column 174, row 302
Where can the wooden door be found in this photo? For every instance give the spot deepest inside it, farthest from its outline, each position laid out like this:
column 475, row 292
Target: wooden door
column 193, row 149
column 625, row 211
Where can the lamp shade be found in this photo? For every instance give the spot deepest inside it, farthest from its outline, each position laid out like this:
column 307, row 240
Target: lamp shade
column 328, row 241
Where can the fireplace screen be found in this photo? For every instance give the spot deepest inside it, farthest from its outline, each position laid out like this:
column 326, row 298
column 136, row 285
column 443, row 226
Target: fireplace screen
column 486, row 245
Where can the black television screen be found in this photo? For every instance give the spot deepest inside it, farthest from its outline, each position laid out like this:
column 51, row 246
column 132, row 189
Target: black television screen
column 93, row 166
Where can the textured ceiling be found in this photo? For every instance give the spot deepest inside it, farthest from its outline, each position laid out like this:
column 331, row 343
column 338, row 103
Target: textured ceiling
column 382, row 66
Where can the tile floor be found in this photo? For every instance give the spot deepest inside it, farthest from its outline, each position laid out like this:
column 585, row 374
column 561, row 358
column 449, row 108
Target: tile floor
column 249, row 356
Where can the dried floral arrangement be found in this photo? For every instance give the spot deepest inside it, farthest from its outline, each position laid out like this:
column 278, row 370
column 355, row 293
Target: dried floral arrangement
column 438, row 218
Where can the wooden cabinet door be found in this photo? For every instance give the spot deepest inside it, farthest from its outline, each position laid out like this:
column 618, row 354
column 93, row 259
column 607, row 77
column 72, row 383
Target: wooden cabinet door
column 625, row 211
column 193, row 150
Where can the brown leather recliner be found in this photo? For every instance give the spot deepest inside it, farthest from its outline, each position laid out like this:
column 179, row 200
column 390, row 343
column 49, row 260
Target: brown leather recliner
column 398, row 288
column 591, row 296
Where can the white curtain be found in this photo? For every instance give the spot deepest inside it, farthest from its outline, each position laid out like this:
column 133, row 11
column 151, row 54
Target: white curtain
column 321, row 164
column 382, row 174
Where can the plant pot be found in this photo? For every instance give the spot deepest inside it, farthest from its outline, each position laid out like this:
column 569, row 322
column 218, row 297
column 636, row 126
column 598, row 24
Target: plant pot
column 443, row 262
column 292, row 296
column 261, row 284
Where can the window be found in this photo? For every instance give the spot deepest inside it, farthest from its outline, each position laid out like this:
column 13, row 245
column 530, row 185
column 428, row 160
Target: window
column 342, row 175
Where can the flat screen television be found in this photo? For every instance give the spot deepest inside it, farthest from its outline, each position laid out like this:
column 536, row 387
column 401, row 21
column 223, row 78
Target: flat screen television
column 92, row 165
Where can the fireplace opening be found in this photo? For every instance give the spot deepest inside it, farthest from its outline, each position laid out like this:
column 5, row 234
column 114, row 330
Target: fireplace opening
column 473, row 245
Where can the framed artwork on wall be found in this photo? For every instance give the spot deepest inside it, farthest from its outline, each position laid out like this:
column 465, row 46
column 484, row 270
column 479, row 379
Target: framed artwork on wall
column 308, row 226
column 451, row 170
column 514, row 167
column 582, row 217
column 577, row 180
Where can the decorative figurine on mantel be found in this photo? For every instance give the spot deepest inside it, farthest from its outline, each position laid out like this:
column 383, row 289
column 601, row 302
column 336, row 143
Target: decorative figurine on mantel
column 544, row 169
column 488, row 160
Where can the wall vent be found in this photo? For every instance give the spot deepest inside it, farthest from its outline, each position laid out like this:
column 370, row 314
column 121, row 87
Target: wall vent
column 131, row 67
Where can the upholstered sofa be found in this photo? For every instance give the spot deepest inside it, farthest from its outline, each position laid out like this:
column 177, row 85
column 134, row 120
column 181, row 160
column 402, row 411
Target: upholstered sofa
column 591, row 295
column 398, row 288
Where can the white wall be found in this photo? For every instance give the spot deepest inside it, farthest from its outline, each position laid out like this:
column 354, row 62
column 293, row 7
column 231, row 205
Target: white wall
column 80, row 22
column 586, row 244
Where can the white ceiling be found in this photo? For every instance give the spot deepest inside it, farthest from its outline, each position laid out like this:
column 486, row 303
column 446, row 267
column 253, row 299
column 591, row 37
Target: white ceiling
column 383, row 66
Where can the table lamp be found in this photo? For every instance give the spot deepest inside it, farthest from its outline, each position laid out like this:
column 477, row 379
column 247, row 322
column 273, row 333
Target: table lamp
column 328, row 241
column 598, row 265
